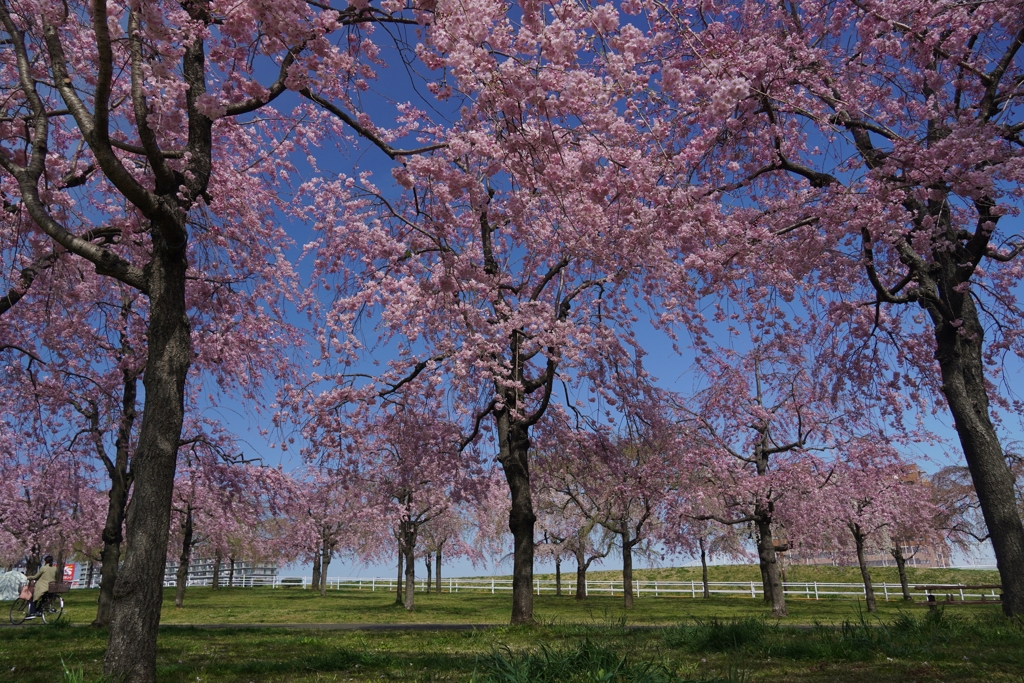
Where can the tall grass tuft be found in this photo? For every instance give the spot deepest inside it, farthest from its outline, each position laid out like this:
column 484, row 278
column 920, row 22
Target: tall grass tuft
column 588, row 662
column 720, row 635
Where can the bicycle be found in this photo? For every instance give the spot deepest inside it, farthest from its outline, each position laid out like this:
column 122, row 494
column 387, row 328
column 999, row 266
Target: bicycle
column 51, row 606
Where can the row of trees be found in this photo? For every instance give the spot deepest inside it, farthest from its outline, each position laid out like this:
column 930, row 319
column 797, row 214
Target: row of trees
column 839, row 180
column 693, row 477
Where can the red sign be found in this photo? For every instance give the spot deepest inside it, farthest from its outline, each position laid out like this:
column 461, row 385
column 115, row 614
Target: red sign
column 69, row 573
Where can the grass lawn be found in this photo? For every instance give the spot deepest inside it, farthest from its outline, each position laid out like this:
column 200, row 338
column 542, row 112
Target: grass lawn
column 722, row 639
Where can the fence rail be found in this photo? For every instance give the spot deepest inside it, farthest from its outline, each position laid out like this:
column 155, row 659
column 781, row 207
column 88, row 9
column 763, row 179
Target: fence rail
column 815, row 590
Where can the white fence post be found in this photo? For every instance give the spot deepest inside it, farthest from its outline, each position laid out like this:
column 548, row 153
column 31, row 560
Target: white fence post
column 752, row 593
column 815, row 590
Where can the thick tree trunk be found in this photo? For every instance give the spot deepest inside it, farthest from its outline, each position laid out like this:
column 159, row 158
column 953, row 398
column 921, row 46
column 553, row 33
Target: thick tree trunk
column 704, row 569
column 581, row 575
column 231, row 572
column 769, row 561
column 558, row 576
column 409, row 548
column 325, row 562
column 869, row 589
column 627, row 570
column 426, row 562
column 315, row 585
column 959, row 352
column 89, row 574
column 401, row 556
column 183, row 559
column 117, row 498
column 138, row 593
column 215, row 582
column 437, row 567
column 901, row 566
column 514, row 444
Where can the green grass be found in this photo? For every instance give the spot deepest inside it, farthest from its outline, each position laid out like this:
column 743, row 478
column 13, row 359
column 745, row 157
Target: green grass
column 295, row 606
column 722, row 639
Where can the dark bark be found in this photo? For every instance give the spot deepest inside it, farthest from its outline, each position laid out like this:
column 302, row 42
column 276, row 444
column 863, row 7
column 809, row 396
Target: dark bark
column 959, row 352
column 325, row 562
column 582, row 565
column 437, row 566
column 408, row 534
column 89, row 573
column 514, row 444
column 215, row 582
column 704, row 568
column 769, row 561
column 138, row 593
column 581, row 577
column 426, row 562
column 110, row 556
column 183, row 559
column 120, row 486
column 627, row 569
column 34, row 561
column 315, row 585
column 558, row 576
column 401, row 557
column 901, row 566
column 231, row 572
column 869, row 589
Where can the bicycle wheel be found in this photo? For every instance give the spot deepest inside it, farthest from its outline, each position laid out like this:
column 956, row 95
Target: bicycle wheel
column 19, row 611
column 53, row 607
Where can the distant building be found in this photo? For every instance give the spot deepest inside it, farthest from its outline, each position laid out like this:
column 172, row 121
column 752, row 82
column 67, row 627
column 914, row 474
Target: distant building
column 200, row 573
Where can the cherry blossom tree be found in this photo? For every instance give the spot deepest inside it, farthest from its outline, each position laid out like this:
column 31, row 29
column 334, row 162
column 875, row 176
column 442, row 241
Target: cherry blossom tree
column 140, row 141
column 872, row 150
column 752, row 438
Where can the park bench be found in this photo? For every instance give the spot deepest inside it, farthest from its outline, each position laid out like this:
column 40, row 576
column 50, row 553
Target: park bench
column 291, row 581
column 955, row 594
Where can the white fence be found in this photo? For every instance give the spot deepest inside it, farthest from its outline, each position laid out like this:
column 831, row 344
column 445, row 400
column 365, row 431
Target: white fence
column 689, row 589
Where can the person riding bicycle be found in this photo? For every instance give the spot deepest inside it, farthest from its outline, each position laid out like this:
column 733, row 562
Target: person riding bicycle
column 46, row 574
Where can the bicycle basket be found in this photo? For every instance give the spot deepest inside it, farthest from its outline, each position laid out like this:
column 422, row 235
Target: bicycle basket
column 58, row 587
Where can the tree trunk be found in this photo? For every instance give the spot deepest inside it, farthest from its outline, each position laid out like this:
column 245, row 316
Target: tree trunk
column 558, row 576
column 426, row 562
column 110, row 556
column 769, row 561
column 117, row 498
column 514, row 445
column 437, row 566
column 138, row 593
column 901, row 566
column 33, row 562
column 401, row 556
column 325, row 562
column 959, row 352
column 315, row 585
column 231, row 572
column 704, row 568
column 869, row 590
column 581, row 574
column 184, row 559
column 627, row 570
column 89, row 574
column 409, row 546
column 215, row 581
